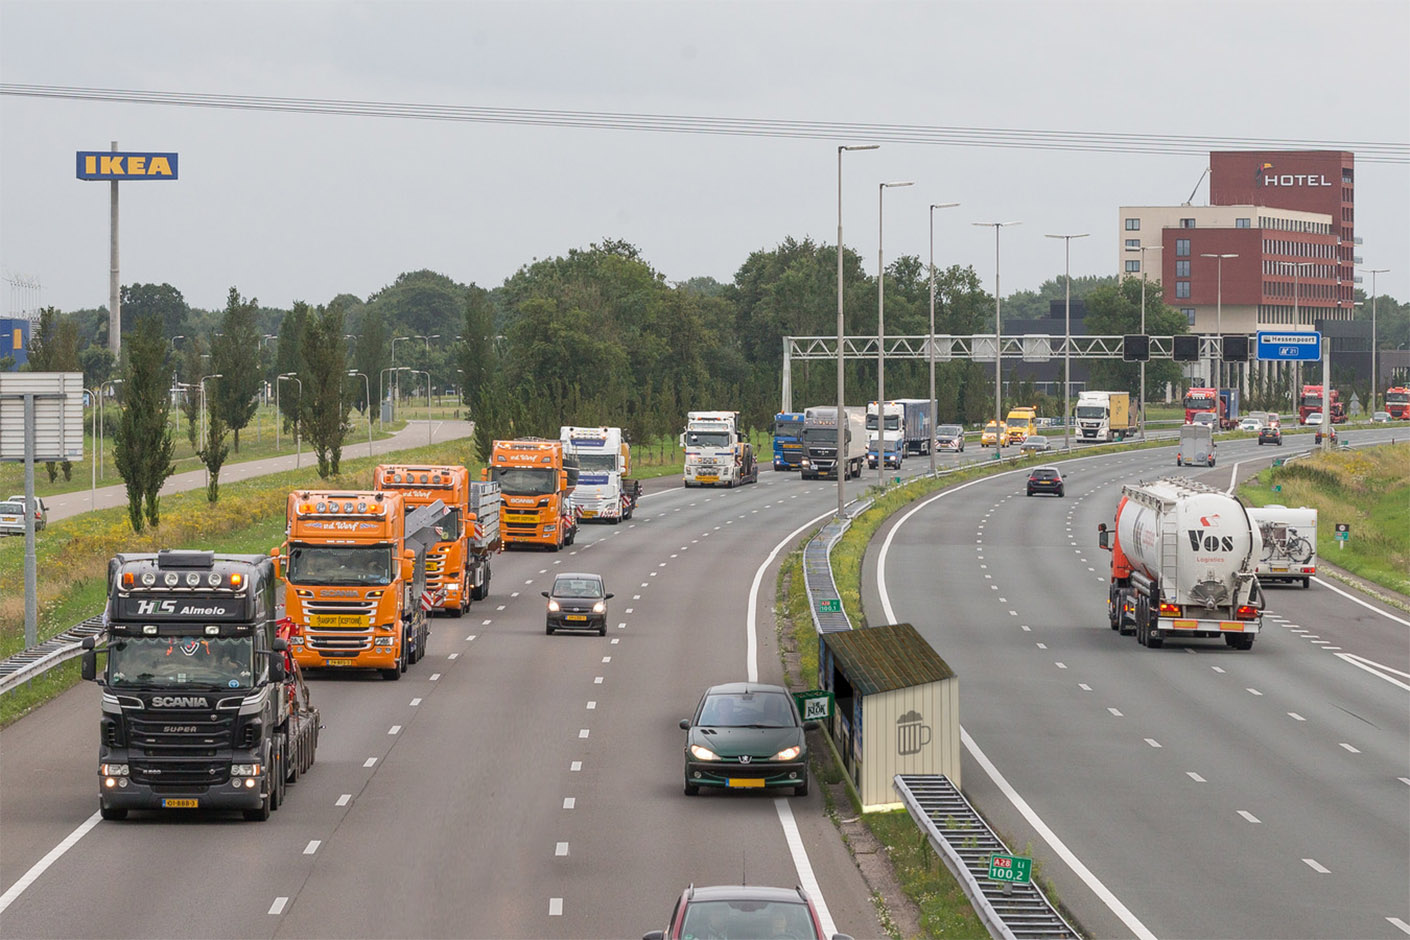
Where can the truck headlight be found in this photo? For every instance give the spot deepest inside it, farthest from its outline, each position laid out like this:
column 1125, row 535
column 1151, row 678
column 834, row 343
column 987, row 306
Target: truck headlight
column 113, row 770
column 245, row 770
column 702, row 753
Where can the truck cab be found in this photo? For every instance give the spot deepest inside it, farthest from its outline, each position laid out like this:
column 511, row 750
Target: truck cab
column 717, row 453
column 604, row 492
column 885, row 439
column 537, row 478
column 1020, row 425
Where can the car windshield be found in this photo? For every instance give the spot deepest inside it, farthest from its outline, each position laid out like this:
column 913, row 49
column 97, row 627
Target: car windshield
column 748, row 920
column 577, row 587
column 340, row 564
column 948, row 430
column 176, row 661
column 526, row 481
column 746, row 710
column 707, row 439
column 1044, row 475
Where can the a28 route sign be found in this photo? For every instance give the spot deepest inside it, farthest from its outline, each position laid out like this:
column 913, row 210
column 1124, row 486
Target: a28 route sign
column 1013, row 869
column 1289, row 346
column 830, row 606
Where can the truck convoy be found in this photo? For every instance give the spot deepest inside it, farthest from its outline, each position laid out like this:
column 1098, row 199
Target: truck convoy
column 201, row 707
column 788, row 440
column 716, row 450
column 1398, row 402
column 458, row 564
column 604, row 464
column 820, row 441
column 1183, row 563
column 536, row 480
column 1289, row 543
column 354, row 570
column 1104, row 416
column 1310, row 402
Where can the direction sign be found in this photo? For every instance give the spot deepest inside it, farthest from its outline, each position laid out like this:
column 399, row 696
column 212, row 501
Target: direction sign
column 1343, row 532
column 1289, row 345
column 1014, row 869
column 833, row 606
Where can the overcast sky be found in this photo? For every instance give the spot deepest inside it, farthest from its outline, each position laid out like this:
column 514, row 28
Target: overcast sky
column 302, row 207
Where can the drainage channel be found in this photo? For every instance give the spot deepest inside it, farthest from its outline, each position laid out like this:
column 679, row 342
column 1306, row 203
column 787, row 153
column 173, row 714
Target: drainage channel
column 36, row 660
column 965, row 843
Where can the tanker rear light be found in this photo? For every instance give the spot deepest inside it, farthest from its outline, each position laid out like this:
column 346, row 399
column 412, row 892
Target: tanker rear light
column 1170, row 610
column 1246, row 612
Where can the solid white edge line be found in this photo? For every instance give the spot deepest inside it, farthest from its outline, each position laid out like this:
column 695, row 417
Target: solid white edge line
column 806, row 878
column 751, row 660
column 1375, row 669
column 1352, row 597
column 39, row 867
column 1034, row 820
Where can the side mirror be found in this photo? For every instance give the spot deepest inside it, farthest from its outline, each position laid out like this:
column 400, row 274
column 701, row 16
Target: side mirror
column 654, row 935
column 544, row 593
column 484, row 474
column 276, row 556
column 408, row 565
column 88, row 665
column 87, row 643
column 281, row 645
column 1103, row 537
column 685, row 724
column 681, row 440
column 276, row 668
column 608, row 596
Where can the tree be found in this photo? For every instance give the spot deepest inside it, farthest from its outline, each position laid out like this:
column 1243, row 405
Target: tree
column 215, row 451
column 235, row 356
column 325, row 404
column 193, row 370
column 369, row 354
column 159, row 300
column 289, row 358
column 53, row 347
column 142, row 444
column 97, row 363
column 475, row 354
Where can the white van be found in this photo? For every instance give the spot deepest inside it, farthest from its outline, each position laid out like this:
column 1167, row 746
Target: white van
column 1196, row 446
column 1289, row 543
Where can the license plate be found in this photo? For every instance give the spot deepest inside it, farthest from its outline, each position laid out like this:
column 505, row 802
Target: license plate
column 340, row 662
column 180, row 804
column 9, row 520
column 746, row 782
column 1278, row 569
column 575, row 617
column 711, row 479
column 589, row 513
column 337, row 620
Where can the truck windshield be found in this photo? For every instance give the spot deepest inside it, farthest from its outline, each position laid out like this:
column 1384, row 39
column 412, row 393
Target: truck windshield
column 597, row 463
column 181, row 661
column 340, row 564
column 1199, row 401
column 1312, row 401
column 826, row 435
column 1018, row 422
column 788, row 427
column 1399, row 398
column 526, row 481
column 1091, row 411
column 707, row 439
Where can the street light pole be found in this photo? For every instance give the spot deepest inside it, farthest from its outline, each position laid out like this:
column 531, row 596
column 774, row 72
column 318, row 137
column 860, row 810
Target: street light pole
column 428, row 365
column 998, row 331
column 367, row 397
column 298, row 411
column 428, row 400
column 381, row 379
column 1373, row 272
column 396, row 381
column 1219, row 320
column 93, row 462
column 881, row 334
column 1067, row 336
column 102, row 407
column 1141, row 416
column 841, row 401
column 930, row 344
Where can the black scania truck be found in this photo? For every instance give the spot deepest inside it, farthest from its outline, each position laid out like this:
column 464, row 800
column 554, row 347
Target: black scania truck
column 202, row 706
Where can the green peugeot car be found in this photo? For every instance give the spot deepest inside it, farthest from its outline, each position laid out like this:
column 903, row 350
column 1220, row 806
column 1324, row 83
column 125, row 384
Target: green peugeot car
column 746, row 736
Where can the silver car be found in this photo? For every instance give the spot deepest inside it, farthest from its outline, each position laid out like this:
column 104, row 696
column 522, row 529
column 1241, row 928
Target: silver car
column 41, row 513
column 1035, row 444
column 949, row 437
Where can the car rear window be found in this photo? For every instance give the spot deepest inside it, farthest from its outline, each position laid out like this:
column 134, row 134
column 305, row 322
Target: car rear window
column 1043, row 475
column 10, row 509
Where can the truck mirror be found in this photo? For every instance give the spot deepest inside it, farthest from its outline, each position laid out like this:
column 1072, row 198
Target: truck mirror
column 471, row 516
column 484, row 474
column 1103, row 537
column 88, row 665
column 544, row 593
column 280, row 644
column 608, row 596
column 682, row 440
column 87, row 643
column 276, row 668
column 276, row 556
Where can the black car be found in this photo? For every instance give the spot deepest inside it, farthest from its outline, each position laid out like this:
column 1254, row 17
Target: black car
column 743, row 911
column 578, row 601
column 1270, row 434
column 1045, row 480
column 746, row 736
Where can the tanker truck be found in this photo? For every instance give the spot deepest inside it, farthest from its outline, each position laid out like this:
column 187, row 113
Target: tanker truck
column 1184, row 560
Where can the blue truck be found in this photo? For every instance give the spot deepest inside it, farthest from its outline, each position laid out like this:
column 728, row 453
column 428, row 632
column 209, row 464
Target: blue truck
column 788, row 440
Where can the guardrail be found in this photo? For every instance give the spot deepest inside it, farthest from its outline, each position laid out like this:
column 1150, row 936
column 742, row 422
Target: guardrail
column 37, row 660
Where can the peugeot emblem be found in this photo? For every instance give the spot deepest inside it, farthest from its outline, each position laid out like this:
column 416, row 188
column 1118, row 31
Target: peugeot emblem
column 744, row 758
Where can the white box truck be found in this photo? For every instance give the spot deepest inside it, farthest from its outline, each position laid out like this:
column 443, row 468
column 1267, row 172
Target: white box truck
column 1104, row 416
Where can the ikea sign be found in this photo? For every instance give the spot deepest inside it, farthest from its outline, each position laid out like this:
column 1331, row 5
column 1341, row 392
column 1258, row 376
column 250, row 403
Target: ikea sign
column 107, row 165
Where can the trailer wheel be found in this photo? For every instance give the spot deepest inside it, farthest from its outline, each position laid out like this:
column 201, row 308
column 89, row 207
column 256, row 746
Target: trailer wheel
column 1239, row 641
column 277, row 764
column 481, row 590
column 1306, row 582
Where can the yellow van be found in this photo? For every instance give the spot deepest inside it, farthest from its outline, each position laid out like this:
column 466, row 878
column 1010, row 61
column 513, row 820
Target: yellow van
column 1021, row 424
column 990, row 435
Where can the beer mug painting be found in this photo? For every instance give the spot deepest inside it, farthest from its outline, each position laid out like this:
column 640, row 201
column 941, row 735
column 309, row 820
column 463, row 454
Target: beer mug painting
column 912, row 733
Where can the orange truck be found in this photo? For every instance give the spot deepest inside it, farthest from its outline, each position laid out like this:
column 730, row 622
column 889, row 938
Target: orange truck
column 536, row 478
column 354, row 572
column 458, row 563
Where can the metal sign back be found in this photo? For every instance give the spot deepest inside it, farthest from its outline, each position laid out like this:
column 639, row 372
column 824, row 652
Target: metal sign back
column 58, row 414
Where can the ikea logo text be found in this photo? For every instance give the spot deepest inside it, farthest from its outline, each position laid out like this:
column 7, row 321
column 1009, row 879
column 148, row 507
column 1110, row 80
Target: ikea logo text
column 106, row 165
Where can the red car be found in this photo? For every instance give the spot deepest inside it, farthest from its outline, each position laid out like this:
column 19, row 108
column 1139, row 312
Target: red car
column 743, row 912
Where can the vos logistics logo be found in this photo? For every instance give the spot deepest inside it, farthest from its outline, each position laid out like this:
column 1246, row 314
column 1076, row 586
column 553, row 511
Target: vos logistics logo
column 107, row 165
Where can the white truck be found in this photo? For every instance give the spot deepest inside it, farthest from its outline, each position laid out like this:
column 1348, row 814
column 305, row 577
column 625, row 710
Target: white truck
column 1183, row 564
column 716, row 451
column 1289, row 543
column 1104, row 416
column 884, row 436
column 604, row 464
column 1196, row 446
column 820, row 457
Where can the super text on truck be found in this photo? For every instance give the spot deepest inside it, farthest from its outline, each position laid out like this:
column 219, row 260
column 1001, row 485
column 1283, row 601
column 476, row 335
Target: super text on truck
column 536, row 479
column 716, row 451
column 354, row 569
column 1183, row 560
column 202, row 709
column 605, row 492
column 467, row 536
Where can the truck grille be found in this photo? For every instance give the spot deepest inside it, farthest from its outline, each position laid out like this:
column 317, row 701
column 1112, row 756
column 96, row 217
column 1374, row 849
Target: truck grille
column 364, row 608
column 181, row 773
column 342, row 643
column 435, row 563
column 173, row 736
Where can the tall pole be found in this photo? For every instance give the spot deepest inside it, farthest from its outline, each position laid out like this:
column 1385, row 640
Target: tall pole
column 202, row 437
column 367, row 397
column 998, row 341
column 93, row 463
column 428, row 400
column 841, row 401
column 881, row 334
column 930, row 342
column 396, row 379
column 298, row 411
column 1373, row 272
column 1067, row 336
column 1141, row 416
column 114, row 279
column 1219, row 319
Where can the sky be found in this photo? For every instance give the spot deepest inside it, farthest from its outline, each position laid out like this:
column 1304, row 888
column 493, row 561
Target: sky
column 292, row 207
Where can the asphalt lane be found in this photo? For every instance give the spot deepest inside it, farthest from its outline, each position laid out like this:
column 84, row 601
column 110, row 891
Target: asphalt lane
column 1269, row 784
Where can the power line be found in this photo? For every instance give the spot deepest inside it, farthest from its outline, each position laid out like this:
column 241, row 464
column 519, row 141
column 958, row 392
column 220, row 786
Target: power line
column 926, row 135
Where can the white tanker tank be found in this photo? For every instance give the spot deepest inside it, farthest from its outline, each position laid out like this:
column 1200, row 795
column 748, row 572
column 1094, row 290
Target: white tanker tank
column 1183, row 564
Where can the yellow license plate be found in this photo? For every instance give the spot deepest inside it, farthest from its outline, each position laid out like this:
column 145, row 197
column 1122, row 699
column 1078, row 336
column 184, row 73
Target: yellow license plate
column 180, row 804
column 340, row 662
column 714, row 479
column 589, row 513
column 575, row 617
column 746, row 782
column 337, row 620
column 1279, row 570
column 9, row 520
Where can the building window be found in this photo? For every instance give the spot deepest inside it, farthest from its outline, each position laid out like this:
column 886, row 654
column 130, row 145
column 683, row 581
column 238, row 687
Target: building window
column 1182, row 288
column 1243, row 223
column 1182, row 269
column 1133, row 267
column 1189, row 313
column 1133, row 243
column 1182, row 247
column 1133, row 225
column 1187, row 223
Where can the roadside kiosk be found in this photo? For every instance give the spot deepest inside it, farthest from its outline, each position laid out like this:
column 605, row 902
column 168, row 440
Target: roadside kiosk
column 897, row 708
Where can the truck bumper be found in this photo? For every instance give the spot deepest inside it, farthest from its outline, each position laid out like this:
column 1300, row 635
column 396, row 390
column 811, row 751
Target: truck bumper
column 1177, row 627
column 233, row 794
column 382, row 657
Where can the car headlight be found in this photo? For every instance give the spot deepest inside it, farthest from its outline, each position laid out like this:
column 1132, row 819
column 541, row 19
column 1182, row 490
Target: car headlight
column 552, row 605
column 702, row 753
column 600, row 607
column 788, row 753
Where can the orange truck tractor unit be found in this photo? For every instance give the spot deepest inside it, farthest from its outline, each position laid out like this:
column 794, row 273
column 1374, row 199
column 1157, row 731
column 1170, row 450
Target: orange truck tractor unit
column 1398, row 402
column 458, row 563
column 354, row 572
column 536, row 478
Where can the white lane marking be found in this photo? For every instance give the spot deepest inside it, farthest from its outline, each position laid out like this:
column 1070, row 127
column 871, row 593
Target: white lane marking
column 1216, row 668
column 591, row 705
column 1027, row 628
column 277, row 907
column 616, row 640
column 1249, row 816
column 575, row 766
column 597, row 680
column 471, row 638
column 312, row 846
column 1060, row 665
column 513, row 593
column 1153, row 742
column 485, row 623
column 1348, row 747
column 607, row 659
column 344, row 800
column 1060, row 847
column 1042, row 646
column 583, row 732
column 555, row 907
column 1084, row 687
column 54, row 854
column 560, row 849
column 750, row 621
column 394, row 729
column 1115, row 712
column 622, row 625
column 1195, row 777
column 1375, row 669
column 569, row 802
column 1351, row 597
column 371, row 761
column 630, row 609
column 1254, row 692
column 415, row 702
column 1295, row 716
column 1400, row 923
column 1316, row 866
column 453, row 656
column 435, row 676
column 805, row 868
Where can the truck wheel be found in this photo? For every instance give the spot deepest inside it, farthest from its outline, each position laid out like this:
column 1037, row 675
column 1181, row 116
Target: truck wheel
column 1239, row 641
column 481, row 590
column 108, row 812
column 1306, row 582
column 395, row 672
column 259, row 815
